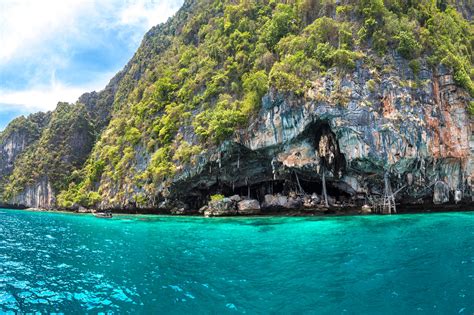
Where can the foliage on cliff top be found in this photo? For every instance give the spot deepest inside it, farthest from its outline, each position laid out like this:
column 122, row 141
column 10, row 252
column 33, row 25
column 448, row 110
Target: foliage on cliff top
column 30, row 126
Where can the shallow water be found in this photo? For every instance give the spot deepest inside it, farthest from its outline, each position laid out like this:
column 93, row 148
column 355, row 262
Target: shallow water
column 402, row 264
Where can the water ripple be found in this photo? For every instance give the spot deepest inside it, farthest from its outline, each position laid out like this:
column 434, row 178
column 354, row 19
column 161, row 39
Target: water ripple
column 52, row 263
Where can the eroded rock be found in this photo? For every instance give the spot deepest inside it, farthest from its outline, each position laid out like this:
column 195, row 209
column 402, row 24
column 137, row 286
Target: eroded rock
column 440, row 193
column 223, row 207
column 249, row 206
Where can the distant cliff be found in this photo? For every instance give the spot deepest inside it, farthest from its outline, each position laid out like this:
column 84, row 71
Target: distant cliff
column 16, row 138
column 262, row 99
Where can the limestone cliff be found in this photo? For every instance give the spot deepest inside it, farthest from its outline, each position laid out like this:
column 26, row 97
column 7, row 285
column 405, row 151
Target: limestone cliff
column 16, row 138
column 418, row 134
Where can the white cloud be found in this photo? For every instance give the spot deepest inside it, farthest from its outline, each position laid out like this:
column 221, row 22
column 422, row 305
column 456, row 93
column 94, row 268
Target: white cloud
column 46, row 97
column 43, row 35
column 147, row 12
column 27, row 24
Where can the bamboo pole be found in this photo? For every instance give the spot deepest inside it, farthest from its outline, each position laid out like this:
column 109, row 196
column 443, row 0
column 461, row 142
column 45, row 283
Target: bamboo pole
column 298, row 182
column 325, row 194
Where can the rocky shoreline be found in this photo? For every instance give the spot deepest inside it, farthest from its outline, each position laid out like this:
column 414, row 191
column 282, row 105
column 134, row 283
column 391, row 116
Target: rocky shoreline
column 279, row 205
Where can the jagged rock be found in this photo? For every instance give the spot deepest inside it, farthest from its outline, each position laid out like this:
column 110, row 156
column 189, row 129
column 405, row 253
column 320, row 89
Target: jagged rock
column 441, row 193
column 165, row 204
column 203, row 209
column 178, row 211
column 457, row 196
column 235, row 198
column 275, row 201
column 249, row 206
column 315, row 198
column 173, row 206
column 17, row 137
column 293, row 203
column 282, row 202
column 311, row 201
column 307, row 202
column 223, row 207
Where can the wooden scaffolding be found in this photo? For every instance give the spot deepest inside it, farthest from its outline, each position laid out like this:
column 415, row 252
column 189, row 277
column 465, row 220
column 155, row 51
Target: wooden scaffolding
column 389, row 206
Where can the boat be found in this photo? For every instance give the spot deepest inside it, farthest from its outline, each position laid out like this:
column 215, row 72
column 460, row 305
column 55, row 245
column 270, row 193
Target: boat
column 103, row 214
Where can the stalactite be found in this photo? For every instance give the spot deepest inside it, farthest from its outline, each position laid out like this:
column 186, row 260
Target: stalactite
column 273, row 163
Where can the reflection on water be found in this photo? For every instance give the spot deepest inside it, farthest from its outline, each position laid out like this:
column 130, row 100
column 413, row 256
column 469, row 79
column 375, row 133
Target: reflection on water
column 147, row 264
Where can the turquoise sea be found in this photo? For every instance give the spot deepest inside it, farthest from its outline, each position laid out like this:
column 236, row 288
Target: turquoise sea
column 400, row 264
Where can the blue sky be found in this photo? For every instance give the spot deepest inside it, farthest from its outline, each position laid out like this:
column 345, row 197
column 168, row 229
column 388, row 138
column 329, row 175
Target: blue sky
column 55, row 50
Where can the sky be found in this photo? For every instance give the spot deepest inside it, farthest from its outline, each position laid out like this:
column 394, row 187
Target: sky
column 56, row 50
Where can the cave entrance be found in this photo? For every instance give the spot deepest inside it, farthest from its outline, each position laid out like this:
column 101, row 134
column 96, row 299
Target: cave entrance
column 316, row 186
column 282, row 186
column 325, row 142
column 319, row 136
column 254, row 191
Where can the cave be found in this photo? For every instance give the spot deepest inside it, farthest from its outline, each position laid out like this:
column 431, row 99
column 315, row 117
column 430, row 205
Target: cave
column 324, row 140
column 315, row 186
column 255, row 191
column 244, row 172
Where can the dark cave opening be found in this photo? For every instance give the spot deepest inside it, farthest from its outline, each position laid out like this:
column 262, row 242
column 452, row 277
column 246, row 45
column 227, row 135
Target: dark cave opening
column 254, row 191
column 316, row 186
column 285, row 179
column 282, row 186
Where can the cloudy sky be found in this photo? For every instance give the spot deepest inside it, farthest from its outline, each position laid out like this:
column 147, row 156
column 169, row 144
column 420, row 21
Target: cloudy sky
column 55, row 50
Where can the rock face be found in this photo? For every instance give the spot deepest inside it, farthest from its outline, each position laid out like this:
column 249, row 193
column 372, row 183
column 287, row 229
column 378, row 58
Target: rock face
column 441, row 193
column 251, row 206
column 418, row 136
column 231, row 206
column 222, row 207
column 16, row 138
column 311, row 201
column 19, row 134
column 39, row 195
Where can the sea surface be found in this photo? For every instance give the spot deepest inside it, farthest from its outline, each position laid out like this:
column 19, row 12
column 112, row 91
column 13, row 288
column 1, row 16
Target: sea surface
column 399, row 264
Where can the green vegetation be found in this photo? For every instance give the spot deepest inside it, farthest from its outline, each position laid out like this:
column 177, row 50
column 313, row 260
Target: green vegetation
column 56, row 154
column 471, row 108
column 217, row 197
column 24, row 131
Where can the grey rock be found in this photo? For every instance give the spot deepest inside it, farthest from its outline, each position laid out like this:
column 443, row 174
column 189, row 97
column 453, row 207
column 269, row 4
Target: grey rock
column 235, row 198
column 275, row 201
column 222, row 207
column 249, row 206
column 440, row 193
